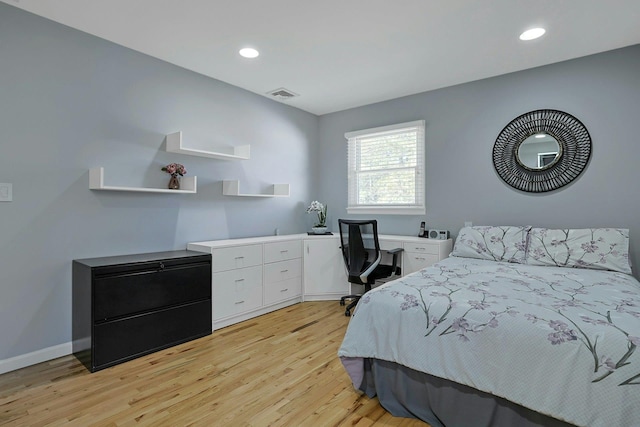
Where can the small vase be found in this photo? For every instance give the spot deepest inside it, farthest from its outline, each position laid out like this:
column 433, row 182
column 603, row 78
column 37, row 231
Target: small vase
column 319, row 230
column 174, row 183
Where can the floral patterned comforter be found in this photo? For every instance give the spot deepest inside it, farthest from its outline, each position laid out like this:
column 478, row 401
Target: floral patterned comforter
column 560, row 341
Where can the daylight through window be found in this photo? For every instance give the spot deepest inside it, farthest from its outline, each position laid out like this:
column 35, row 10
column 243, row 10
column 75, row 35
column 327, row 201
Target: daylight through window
column 386, row 169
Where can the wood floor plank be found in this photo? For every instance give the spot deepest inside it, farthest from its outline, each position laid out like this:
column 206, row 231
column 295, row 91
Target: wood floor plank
column 280, row 369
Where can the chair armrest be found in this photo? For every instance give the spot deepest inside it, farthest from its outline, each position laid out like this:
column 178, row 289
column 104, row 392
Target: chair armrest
column 395, row 251
column 394, row 266
column 364, row 277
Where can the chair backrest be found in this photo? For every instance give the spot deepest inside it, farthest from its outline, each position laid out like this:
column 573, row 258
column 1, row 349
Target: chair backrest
column 360, row 248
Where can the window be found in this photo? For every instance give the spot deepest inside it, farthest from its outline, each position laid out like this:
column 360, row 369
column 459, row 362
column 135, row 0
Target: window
column 386, row 170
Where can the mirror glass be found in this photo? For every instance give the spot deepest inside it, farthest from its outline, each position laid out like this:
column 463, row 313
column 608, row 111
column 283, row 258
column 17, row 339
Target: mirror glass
column 539, row 151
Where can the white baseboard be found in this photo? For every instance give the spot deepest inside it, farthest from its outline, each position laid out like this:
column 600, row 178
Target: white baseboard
column 35, row 357
column 324, row 297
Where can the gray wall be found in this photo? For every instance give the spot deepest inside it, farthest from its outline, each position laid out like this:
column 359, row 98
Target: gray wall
column 462, row 123
column 69, row 102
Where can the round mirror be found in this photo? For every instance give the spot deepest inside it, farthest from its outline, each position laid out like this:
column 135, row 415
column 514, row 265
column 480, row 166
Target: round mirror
column 539, row 151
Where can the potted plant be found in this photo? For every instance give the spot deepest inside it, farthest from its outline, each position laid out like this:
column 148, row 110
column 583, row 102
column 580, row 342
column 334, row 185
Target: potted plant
column 320, row 227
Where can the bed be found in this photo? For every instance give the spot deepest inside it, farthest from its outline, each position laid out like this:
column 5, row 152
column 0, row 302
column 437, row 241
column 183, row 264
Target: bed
column 520, row 326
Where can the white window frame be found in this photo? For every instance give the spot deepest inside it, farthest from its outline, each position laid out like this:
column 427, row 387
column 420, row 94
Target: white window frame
column 418, row 208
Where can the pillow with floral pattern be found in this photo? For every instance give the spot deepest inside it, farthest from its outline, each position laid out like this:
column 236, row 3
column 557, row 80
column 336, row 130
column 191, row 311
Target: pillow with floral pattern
column 596, row 248
column 504, row 243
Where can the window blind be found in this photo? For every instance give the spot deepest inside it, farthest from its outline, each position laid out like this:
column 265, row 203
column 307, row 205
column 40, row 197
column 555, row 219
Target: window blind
column 386, row 169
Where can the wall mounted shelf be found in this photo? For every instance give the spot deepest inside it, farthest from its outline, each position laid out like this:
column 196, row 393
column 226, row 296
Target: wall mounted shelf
column 232, row 188
column 188, row 184
column 174, row 145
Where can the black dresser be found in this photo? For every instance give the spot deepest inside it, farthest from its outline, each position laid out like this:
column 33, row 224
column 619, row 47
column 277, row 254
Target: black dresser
column 131, row 305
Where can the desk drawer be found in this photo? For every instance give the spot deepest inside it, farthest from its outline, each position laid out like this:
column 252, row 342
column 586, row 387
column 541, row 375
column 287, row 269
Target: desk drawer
column 423, row 248
column 236, row 257
column 130, row 293
column 279, row 271
column 282, row 251
column 282, row 290
column 128, row 338
column 415, row 261
column 236, row 291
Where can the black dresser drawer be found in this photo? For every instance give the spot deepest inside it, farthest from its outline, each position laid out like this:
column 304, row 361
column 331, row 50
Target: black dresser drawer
column 131, row 293
column 120, row 340
column 129, row 305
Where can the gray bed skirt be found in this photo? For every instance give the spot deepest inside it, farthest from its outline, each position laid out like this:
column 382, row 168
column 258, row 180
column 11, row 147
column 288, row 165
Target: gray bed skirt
column 442, row 403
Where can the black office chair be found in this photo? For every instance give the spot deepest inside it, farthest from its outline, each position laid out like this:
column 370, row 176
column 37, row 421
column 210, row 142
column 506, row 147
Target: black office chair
column 362, row 256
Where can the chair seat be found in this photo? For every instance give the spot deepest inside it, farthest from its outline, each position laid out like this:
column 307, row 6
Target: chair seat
column 380, row 272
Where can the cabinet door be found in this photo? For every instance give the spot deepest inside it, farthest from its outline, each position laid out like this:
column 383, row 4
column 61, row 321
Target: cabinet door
column 324, row 272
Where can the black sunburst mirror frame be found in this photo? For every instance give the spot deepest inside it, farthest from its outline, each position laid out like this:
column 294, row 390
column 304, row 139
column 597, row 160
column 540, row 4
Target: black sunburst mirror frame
column 572, row 137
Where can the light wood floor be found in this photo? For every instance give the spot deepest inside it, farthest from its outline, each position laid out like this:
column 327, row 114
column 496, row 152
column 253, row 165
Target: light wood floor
column 279, row 369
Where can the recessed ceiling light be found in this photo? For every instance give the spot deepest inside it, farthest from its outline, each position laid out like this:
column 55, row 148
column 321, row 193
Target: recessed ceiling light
column 249, row 52
column 533, row 33
column 540, row 135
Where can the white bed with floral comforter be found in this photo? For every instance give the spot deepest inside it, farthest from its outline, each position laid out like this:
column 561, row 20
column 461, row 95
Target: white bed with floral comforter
column 560, row 341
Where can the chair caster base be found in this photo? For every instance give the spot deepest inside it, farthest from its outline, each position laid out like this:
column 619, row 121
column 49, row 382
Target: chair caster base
column 347, row 313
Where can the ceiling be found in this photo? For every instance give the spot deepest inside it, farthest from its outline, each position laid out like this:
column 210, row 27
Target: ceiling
column 339, row 54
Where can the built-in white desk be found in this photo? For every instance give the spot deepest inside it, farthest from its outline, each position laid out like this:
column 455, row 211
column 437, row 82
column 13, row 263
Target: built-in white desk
column 255, row 275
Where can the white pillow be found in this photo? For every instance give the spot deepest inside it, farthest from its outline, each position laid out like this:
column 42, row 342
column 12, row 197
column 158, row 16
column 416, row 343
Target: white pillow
column 504, row 243
column 596, row 248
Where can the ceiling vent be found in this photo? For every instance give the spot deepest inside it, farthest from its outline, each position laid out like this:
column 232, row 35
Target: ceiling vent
column 282, row 94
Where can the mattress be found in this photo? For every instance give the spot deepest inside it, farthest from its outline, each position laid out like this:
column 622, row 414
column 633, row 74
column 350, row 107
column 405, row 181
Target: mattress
column 558, row 341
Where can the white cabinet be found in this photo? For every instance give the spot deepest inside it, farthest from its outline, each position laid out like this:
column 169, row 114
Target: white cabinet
column 423, row 253
column 282, row 281
column 253, row 276
column 236, row 280
column 324, row 272
column 282, row 271
column 236, row 291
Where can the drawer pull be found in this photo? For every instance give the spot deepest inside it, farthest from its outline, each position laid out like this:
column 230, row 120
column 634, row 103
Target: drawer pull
column 240, row 302
column 284, row 290
column 161, row 266
column 420, row 249
column 420, row 258
column 283, row 271
column 239, row 257
column 284, row 251
column 239, row 280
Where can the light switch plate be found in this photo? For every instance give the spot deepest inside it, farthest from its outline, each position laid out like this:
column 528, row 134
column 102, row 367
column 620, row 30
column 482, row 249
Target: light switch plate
column 6, row 192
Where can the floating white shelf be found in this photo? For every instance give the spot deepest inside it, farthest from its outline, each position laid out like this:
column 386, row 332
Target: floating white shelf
column 188, row 184
column 174, row 145
column 232, row 188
